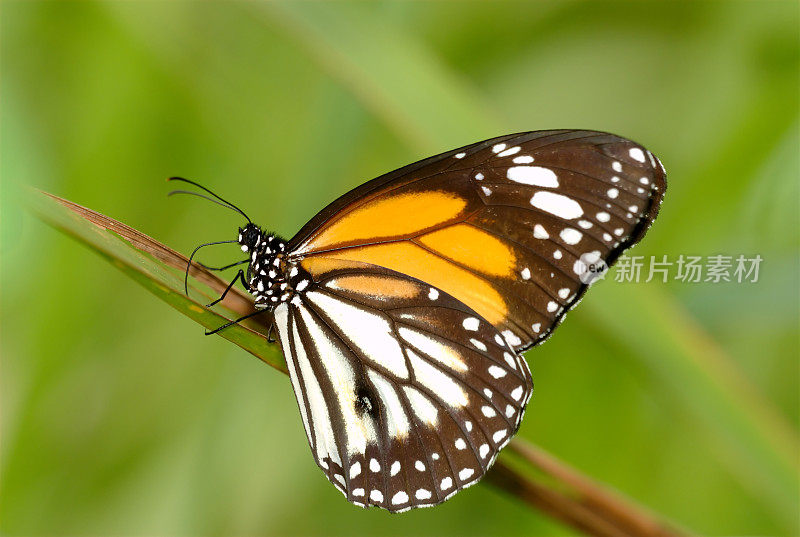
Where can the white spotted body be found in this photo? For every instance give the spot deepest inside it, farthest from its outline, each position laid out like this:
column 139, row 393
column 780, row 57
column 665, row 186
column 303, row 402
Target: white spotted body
column 272, row 277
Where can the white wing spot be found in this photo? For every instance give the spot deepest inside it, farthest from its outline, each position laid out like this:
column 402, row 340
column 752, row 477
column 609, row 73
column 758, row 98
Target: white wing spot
column 376, row 495
column 486, row 190
column 557, row 204
column 395, row 468
column 374, row 465
column 511, row 338
column 420, row 466
column 339, row 478
column 471, row 324
column 563, row 293
column 499, row 340
column 461, row 155
column 510, row 360
column 552, row 306
column 516, row 393
column 422, row 494
column 400, row 497
column 613, row 193
column 607, row 237
column 435, row 456
column 603, row 216
column 498, row 147
column 526, row 273
column 533, row 175
column 355, row 470
column 478, row 344
column 479, row 176
column 465, row 474
column 615, row 179
column 571, row 236
column 433, row 294
column 446, row 483
column 585, row 224
column 488, row 411
column 488, row 392
column 460, row 444
column 536, row 327
column 499, row 435
column 468, row 425
column 509, row 152
column 523, row 159
column 618, row 231
column 484, row 450
column 358, row 492
column 644, row 181
column 633, row 209
column 616, row 166
column 497, row 372
column 510, row 410
column 540, row 232
column 557, row 254
column 636, row 154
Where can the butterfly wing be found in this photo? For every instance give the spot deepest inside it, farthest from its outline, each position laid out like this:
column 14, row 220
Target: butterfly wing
column 406, row 394
column 513, row 227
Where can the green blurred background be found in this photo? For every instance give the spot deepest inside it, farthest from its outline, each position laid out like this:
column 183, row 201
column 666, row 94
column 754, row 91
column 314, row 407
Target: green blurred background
column 120, row 418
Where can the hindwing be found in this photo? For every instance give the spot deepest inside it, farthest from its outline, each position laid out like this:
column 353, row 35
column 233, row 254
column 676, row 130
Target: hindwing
column 406, row 394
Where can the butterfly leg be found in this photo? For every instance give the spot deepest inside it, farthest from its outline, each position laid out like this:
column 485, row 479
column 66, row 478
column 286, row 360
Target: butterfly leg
column 237, row 321
column 239, row 276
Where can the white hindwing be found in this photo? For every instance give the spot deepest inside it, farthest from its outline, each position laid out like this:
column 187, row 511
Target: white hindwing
column 402, row 406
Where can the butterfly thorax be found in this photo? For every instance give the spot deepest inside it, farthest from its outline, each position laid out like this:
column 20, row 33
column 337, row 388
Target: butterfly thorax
column 272, row 278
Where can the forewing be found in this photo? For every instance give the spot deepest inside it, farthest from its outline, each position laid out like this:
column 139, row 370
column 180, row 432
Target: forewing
column 406, row 394
column 513, row 227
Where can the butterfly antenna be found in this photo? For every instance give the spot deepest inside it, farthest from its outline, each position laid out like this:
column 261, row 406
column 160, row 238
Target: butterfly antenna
column 212, row 200
column 224, row 201
column 189, row 264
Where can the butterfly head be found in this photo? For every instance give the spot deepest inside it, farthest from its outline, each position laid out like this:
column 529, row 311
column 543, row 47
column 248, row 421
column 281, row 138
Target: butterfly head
column 250, row 237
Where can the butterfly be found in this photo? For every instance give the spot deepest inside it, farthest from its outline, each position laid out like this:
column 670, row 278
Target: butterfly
column 403, row 307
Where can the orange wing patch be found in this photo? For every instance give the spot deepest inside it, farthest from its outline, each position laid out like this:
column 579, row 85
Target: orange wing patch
column 394, row 216
column 418, row 263
column 319, row 265
column 372, row 285
column 474, row 248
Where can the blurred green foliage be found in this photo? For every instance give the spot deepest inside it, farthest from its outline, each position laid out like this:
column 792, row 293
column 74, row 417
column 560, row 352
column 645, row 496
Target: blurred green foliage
column 119, row 417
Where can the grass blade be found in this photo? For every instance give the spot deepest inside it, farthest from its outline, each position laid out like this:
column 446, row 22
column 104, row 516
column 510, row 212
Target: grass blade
column 159, row 269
